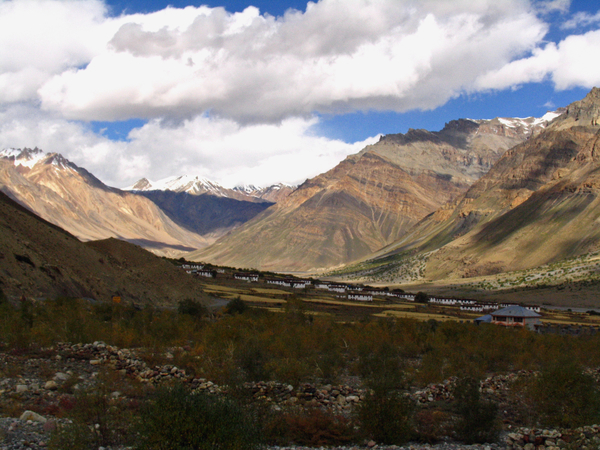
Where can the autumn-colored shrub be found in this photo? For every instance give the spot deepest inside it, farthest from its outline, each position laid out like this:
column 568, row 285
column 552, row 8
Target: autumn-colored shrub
column 313, row 427
column 432, row 425
column 97, row 419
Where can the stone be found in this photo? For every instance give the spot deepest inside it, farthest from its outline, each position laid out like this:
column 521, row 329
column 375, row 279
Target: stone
column 59, row 376
column 95, row 362
column 21, row 388
column 51, row 385
column 33, row 416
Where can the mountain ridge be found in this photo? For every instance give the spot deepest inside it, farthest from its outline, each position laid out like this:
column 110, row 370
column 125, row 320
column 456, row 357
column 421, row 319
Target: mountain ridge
column 537, row 205
column 71, row 197
column 369, row 200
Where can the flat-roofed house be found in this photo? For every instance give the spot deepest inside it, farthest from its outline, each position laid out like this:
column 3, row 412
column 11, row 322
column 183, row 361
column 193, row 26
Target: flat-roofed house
column 516, row 316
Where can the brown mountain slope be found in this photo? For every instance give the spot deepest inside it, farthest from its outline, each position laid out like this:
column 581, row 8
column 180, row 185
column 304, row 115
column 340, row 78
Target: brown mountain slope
column 38, row 259
column 368, row 200
column 537, row 205
column 75, row 200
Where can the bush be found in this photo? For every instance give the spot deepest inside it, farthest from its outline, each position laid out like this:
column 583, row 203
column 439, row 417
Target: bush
column 478, row 419
column 178, row 419
column 311, row 428
column 192, row 308
column 564, row 396
column 432, row 425
column 96, row 420
column 236, row 306
column 386, row 417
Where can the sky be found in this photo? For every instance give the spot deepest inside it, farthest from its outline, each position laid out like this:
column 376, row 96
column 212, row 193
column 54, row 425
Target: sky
column 260, row 92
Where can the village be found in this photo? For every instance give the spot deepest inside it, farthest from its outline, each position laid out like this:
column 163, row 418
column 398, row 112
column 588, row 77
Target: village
column 392, row 302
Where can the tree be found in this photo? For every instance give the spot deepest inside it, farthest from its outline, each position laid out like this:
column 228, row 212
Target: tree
column 564, row 396
column 386, row 414
column 478, row 419
column 421, row 297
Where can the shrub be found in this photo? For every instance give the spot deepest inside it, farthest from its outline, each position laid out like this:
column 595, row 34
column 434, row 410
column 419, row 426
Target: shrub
column 96, row 420
column 313, row 427
column 564, row 396
column 236, row 306
column 478, row 419
column 176, row 418
column 432, row 425
column 192, row 308
column 386, row 417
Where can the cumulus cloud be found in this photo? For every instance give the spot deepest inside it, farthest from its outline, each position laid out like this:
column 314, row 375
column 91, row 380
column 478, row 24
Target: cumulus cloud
column 337, row 56
column 218, row 149
column 40, row 39
column 569, row 64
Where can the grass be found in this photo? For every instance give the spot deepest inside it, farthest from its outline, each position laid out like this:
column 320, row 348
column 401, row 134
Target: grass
column 417, row 316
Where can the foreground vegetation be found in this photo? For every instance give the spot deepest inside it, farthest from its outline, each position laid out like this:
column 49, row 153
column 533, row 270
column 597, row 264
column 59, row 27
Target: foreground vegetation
column 388, row 357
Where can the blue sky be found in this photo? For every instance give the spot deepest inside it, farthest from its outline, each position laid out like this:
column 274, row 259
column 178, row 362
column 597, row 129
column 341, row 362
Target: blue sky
column 245, row 92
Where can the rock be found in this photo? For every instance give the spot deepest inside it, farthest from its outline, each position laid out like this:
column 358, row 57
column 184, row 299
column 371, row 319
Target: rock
column 95, row 362
column 51, row 385
column 33, row 416
column 59, row 376
column 21, row 388
column 371, row 444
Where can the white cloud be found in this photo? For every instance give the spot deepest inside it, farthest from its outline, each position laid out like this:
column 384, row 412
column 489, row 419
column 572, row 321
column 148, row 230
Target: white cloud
column 218, row 149
column 40, row 38
column 337, row 56
column 581, row 19
column 569, row 64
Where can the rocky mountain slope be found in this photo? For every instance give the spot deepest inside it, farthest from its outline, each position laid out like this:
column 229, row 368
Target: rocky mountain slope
column 69, row 196
column 370, row 199
column 539, row 204
column 41, row 260
column 208, row 215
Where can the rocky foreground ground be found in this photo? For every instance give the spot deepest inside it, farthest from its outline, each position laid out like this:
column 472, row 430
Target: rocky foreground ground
column 34, row 388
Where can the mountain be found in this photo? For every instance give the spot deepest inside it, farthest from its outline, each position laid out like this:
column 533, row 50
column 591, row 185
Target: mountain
column 273, row 193
column 208, row 215
column 539, row 204
column 371, row 198
column 40, row 260
column 205, row 207
column 199, row 186
column 72, row 198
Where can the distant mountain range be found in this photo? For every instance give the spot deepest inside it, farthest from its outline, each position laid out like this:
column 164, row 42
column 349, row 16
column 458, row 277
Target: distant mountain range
column 477, row 197
column 198, row 186
column 371, row 199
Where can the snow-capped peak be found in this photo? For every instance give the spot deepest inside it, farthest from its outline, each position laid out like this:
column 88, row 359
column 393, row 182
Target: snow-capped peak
column 247, row 188
column 183, row 183
column 26, row 157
